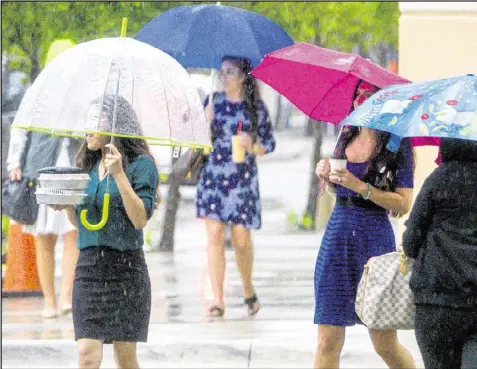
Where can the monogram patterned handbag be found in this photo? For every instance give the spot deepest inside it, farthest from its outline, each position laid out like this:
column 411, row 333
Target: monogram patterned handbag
column 384, row 300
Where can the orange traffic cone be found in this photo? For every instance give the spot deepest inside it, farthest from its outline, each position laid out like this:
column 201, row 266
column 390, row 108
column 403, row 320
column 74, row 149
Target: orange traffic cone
column 21, row 276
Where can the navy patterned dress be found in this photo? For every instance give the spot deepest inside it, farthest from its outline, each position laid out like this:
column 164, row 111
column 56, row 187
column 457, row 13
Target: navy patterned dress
column 228, row 192
column 353, row 235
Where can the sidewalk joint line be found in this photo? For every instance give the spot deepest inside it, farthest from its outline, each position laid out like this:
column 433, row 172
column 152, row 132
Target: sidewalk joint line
column 249, row 355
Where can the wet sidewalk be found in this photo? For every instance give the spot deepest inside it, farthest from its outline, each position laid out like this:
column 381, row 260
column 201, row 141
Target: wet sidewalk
column 282, row 334
column 180, row 334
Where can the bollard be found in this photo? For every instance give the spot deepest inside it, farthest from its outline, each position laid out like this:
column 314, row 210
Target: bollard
column 21, row 277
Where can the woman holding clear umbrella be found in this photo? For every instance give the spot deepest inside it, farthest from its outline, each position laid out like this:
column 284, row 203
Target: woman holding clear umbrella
column 112, row 290
column 228, row 192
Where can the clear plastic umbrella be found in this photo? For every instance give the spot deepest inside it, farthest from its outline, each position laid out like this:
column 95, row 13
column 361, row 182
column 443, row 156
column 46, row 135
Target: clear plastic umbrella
column 159, row 89
column 152, row 95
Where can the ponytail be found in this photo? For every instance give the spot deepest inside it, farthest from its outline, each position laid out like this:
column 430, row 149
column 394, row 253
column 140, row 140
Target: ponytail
column 251, row 92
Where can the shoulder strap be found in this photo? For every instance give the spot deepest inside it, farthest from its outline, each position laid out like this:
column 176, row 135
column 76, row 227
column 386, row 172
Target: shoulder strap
column 24, row 154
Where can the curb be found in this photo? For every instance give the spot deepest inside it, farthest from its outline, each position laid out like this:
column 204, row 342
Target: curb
column 282, row 351
column 162, row 354
column 64, row 354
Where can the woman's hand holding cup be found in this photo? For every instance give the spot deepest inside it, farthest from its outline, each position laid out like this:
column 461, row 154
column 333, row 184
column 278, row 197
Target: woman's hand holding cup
column 336, row 167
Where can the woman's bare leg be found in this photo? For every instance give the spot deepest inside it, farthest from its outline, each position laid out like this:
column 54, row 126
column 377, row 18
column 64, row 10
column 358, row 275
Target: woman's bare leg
column 242, row 242
column 125, row 355
column 70, row 257
column 330, row 343
column 387, row 346
column 45, row 261
column 216, row 260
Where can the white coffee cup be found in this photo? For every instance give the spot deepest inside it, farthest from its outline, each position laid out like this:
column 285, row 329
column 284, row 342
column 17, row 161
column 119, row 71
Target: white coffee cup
column 336, row 164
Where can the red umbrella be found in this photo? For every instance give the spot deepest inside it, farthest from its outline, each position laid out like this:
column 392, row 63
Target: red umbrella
column 321, row 82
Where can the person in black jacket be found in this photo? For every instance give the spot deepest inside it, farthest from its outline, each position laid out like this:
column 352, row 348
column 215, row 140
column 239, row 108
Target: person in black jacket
column 442, row 235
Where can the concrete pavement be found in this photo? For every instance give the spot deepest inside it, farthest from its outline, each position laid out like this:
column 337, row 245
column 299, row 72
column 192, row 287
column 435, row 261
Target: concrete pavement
column 180, row 335
column 281, row 335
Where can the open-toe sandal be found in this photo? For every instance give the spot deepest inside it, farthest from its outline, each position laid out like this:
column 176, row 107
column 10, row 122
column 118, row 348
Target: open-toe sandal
column 253, row 305
column 215, row 312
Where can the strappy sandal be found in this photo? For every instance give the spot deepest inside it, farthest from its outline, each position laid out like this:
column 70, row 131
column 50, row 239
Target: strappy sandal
column 215, row 312
column 250, row 302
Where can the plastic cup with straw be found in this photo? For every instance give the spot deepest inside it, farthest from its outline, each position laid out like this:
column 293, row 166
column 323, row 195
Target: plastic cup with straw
column 238, row 151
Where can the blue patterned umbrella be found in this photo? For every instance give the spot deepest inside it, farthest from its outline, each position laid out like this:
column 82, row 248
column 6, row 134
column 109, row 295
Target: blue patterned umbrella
column 437, row 108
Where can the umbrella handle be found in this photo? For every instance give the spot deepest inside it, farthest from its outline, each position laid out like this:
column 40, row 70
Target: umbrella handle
column 104, row 219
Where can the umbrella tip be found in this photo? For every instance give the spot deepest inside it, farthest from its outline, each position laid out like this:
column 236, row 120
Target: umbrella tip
column 124, row 27
column 218, row 3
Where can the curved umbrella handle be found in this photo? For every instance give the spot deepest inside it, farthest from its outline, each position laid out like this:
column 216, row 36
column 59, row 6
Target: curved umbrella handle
column 104, row 219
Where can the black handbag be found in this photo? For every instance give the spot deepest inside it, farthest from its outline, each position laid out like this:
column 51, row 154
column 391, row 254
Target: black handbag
column 190, row 165
column 19, row 200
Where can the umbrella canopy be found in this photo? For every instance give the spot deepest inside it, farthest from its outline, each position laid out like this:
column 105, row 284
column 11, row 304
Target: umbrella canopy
column 165, row 108
column 199, row 36
column 321, row 82
column 437, row 108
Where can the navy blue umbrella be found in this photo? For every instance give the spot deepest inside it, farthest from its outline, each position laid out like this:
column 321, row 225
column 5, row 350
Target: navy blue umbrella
column 199, row 36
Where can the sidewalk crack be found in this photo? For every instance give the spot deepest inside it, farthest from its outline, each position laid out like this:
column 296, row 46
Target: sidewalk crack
column 249, row 355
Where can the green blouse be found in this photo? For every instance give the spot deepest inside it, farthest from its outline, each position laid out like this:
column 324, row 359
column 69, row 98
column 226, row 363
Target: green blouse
column 119, row 232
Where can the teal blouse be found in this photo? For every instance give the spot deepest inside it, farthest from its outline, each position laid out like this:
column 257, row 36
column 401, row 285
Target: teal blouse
column 119, row 232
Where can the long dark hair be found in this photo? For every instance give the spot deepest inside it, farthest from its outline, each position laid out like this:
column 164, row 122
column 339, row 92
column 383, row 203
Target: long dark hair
column 252, row 93
column 126, row 123
column 383, row 163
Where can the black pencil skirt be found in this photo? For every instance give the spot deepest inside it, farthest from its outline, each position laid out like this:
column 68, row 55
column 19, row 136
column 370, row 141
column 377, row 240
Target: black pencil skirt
column 111, row 295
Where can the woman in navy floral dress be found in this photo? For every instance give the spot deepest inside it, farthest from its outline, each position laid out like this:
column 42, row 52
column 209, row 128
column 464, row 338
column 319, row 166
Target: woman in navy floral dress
column 228, row 192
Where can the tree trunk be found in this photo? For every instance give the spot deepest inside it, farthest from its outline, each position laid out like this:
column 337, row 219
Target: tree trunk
column 309, row 129
column 35, row 51
column 278, row 117
column 35, row 66
column 309, row 218
column 168, row 224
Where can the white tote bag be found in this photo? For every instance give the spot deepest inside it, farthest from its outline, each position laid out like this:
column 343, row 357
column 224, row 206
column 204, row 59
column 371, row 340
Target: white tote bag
column 384, row 300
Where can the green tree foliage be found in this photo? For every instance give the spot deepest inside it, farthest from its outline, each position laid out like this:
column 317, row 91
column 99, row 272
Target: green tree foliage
column 29, row 28
column 335, row 25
